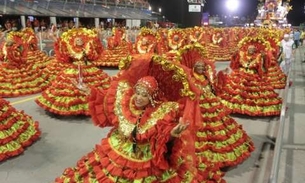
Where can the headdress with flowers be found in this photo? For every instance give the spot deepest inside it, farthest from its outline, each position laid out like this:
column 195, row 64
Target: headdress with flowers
column 259, row 42
column 67, row 50
column 176, row 38
column 150, row 36
column 172, row 80
column 195, row 54
column 30, row 38
column 14, row 49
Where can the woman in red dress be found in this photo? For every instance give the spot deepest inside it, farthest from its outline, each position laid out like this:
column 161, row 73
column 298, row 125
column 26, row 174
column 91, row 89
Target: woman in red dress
column 246, row 91
column 34, row 55
column 146, row 42
column 219, row 138
column 17, row 76
column 118, row 47
column 150, row 141
column 77, row 48
column 274, row 74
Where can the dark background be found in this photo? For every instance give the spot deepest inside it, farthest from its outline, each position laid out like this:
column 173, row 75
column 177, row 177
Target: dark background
column 177, row 11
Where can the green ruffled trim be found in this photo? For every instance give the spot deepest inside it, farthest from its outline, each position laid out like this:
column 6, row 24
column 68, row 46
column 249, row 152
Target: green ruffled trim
column 124, row 148
column 32, row 83
column 208, row 105
column 10, row 147
column 148, row 179
column 232, row 140
column 14, row 128
column 261, row 100
column 226, row 157
column 219, row 132
column 74, row 70
column 74, row 108
column 254, row 109
column 23, row 137
column 29, row 133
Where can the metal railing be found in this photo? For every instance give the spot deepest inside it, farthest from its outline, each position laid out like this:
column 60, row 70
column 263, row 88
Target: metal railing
column 280, row 135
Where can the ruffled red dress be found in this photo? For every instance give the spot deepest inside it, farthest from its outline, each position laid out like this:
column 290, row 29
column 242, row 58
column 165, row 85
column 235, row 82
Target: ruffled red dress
column 17, row 131
column 246, row 91
column 274, row 74
column 219, row 138
column 53, row 68
column 62, row 97
column 17, row 77
column 115, row 51
column 38, row 58
column 116, row 158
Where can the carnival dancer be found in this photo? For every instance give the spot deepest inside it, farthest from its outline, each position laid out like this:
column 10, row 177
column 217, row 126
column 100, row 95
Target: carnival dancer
column 218, row 49
column 146, row 42
column 219, row 138
column 162, row 41
column 245, row 90
column 274, row 74
column 63, row 59
column 118, row 47
column 196, row 35
column 176, row 40
column 17, row 77
column 34, row 55
column 151, row 136
column 79, row 47
column 17, row 131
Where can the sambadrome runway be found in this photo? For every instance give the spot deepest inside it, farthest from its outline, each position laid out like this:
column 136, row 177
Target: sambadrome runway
column 65, row 139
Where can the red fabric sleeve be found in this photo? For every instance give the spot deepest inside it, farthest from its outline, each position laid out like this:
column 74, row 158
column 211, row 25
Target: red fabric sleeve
column 260, row 65
column 96, row 107
column 235, row 61
column 181, row 148
column 158, row 143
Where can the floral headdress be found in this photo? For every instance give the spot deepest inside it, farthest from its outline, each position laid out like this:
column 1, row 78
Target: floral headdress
column 145, row 31
column 66, row 48
column 176, row 38
column 259, row 42
column 30, row 38
column 15, row 51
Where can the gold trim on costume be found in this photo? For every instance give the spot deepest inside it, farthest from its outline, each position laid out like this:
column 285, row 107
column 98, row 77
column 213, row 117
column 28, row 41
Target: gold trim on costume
column 125, row 126
column 179, row 75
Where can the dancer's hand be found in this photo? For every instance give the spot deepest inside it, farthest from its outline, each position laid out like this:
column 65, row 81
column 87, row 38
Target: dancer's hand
column 179, row 128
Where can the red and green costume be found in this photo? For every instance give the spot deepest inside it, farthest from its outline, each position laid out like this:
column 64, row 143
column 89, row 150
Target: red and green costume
column 17, row 131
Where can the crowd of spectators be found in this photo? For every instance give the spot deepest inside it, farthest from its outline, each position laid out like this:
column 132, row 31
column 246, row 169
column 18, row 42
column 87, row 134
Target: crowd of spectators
column 132, row 3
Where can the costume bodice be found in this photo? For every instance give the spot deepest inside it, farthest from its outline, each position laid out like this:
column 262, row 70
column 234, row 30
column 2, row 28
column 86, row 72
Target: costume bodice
column 202, row 83
column 250, row 61
column 128, row 116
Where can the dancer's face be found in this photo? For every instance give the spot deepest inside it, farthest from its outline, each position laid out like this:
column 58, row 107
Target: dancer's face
column 199, row 68
column 79, row 41
column 144, row 42
column 251, row 49
column 141, row 97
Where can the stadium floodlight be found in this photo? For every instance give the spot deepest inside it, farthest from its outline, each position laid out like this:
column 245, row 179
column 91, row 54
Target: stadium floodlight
column 232, row 5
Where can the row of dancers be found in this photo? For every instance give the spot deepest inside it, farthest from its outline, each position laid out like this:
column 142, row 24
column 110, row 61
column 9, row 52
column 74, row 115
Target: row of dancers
column 170, row 113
